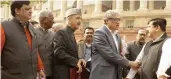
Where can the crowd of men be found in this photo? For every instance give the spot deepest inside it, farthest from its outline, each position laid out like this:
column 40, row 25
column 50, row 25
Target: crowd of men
column 50, row 51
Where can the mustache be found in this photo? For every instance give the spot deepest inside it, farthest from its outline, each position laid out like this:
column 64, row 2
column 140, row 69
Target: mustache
column 89, row 36
column 142, row 39
column 79, row 23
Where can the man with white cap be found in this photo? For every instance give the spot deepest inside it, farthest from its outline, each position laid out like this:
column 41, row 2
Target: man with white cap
column 65, row 47
column 107, row 60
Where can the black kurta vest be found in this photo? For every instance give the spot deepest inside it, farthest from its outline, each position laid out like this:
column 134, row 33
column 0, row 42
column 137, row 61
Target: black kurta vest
column 151, row 58
column 18, row 60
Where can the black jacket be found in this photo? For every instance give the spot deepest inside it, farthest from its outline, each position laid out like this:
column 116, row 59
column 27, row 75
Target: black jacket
column 65, row 53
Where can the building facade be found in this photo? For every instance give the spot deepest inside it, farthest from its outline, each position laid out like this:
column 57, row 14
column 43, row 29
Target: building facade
column 135, row 13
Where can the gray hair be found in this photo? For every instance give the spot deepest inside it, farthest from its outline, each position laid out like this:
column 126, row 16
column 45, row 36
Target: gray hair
column 44, row 13
column 111, row 14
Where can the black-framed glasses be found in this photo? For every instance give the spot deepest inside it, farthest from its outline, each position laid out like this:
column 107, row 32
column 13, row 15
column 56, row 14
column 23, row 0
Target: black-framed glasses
column 115, row 19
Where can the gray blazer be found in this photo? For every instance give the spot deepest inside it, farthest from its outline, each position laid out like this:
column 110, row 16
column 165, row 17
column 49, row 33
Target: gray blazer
column 106, row 60
column 45, row 39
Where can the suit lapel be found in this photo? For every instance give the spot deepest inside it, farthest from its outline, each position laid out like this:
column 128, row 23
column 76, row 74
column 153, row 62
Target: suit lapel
column 33, row 36
column 110, row 38
column 31, row 30
column 73, row 43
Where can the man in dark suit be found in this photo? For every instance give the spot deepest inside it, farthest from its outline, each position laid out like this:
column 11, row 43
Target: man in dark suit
column 65, row 48
column 106, row 57
column 45, row 37
column 134, row 47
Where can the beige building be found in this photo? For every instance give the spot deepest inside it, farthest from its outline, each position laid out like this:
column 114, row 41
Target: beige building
column 135, row 13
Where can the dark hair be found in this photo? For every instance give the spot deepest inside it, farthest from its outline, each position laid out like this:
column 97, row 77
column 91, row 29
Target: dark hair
column 18, row 4
column 161, row 22
column 89, row 28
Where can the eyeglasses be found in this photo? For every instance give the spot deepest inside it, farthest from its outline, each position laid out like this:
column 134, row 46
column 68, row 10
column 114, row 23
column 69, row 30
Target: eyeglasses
column 115, row 19
column 142, row 35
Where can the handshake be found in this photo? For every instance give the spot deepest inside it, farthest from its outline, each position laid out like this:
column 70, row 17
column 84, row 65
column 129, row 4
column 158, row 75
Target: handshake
column 135, row 65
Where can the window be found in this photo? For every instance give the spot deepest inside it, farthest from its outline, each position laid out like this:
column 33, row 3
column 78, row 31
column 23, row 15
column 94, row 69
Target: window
column 106, row 5
column 159, row 4
column 129, row 23
column 85, row 24
column 126, row 5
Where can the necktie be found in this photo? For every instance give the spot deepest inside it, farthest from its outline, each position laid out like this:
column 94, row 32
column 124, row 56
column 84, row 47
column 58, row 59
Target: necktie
column 28, row 35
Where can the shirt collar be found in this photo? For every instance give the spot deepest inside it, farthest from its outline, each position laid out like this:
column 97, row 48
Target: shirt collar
column 70, row 30
column 158, row 37
column 45, row 30
column 136, row 42
column 22, row 24
column 87, row 45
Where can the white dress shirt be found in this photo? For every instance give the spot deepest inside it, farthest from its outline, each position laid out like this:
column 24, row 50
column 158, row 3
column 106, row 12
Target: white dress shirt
column 124, row 45
column 132, row 72
column 114, row 37
column 165, row 61
column 124, row 48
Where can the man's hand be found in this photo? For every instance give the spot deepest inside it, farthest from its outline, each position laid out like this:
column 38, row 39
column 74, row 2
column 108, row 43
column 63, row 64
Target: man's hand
column 79, row 65
column 134, row 65
column 42, row 74
column 164, row 76
column 83, row 62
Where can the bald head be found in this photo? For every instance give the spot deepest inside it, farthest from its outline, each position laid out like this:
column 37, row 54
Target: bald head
column 142, row 31
column 46, row 19
column 44, row 13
